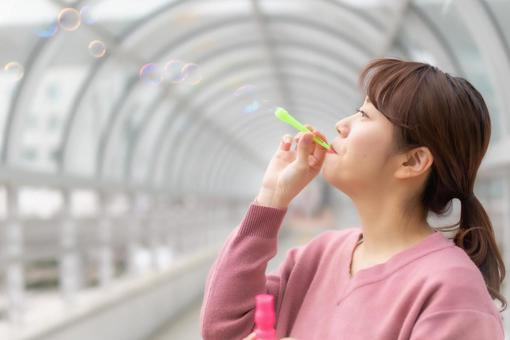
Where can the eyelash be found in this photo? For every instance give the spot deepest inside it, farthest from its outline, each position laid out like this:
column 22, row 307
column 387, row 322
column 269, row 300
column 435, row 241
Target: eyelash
column 362, row 113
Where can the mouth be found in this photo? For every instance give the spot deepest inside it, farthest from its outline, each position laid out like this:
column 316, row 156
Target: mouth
column 332, row 149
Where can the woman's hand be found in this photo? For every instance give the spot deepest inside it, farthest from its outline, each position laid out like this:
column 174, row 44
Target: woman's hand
column 289, row 171
column 252, row 337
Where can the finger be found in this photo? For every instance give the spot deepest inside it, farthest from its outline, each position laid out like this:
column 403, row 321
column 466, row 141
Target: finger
column 314, row 144
column 304, row 147
column 323, row 138
column 297, row 136
column 250, row 337
column 295, row 140
column 319, row 153
column 286, row 142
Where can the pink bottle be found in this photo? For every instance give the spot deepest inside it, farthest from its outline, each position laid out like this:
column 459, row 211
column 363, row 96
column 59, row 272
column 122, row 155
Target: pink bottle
column 264, row 317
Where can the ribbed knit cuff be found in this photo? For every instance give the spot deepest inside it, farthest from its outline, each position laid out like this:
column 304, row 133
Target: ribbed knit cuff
column 262, row 221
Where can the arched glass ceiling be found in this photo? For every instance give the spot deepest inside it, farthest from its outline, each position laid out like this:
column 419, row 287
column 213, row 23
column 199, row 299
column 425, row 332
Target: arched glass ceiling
column 74, row 114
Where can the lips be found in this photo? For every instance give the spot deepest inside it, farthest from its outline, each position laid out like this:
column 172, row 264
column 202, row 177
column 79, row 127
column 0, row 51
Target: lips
column 332, row 149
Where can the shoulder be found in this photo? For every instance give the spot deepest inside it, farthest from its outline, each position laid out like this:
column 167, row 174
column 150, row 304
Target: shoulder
column 452, row 281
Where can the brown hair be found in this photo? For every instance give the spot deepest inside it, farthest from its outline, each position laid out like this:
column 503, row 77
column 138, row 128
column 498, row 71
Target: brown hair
column 449, row 116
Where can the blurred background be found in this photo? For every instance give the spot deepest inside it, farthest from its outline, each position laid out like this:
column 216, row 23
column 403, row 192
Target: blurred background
column 135, row 134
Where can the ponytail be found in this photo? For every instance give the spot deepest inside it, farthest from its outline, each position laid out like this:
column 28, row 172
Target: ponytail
column 476, row 237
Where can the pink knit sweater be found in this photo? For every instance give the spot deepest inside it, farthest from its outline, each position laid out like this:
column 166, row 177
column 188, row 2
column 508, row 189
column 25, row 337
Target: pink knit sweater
column 431, row 291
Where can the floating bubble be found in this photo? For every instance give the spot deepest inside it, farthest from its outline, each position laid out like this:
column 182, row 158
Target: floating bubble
column 86, row 15
column 191, row 73
column 69, row 19
column 14, row 71
column 252, row 107
column 97, row 48
column 268, row 107
column 245, row 90
column 149, row 73
column 248, row 100
column 263, row 106
column 174, row 71
column 48, row 31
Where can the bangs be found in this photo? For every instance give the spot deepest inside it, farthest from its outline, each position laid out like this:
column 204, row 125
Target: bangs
column 392, row 85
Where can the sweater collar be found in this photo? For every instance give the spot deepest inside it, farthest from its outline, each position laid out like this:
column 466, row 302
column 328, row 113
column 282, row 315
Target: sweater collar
column 429, row 244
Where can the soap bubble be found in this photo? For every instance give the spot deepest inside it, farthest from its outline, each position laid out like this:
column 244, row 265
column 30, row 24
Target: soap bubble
column 86, row 15
column 97, row 48
column 245, row 90
column 14, row 71
column 149, row 73
column 174, row 71
column 248, row 100
column 69, row 19
column 48, row 31
column 246, row 97
column 252, row 107
column 263, row 106
column 268, row 107
column 191, row 73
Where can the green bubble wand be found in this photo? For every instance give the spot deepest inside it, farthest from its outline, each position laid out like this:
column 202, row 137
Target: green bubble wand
column 285, row 117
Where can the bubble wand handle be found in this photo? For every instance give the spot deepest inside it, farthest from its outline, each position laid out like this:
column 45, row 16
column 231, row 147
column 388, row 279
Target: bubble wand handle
column 286, row 117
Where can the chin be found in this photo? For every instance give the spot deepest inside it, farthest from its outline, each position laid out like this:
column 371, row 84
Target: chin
column 328, row 172
column 333, row 176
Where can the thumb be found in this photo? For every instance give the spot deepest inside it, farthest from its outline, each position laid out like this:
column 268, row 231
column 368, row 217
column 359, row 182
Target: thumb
column 304, row 147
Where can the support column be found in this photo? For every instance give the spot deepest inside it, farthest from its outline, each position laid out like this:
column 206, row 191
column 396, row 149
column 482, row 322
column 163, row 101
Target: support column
column 15, row 278
column 105, row 246
column 133, row 238
column 69, row 272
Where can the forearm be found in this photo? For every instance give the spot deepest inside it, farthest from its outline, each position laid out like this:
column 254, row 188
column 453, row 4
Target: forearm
column 238, row 274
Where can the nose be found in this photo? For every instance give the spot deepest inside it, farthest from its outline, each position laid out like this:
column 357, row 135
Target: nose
column 342, row 128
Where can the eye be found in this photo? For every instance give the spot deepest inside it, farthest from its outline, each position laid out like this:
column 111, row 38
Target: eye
column 363, row 114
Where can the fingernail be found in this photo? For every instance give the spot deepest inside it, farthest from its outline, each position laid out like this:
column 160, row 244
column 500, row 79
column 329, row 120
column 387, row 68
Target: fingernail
column 287, row 139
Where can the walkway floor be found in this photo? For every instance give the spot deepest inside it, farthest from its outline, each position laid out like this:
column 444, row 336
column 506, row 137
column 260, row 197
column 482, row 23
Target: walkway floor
column 187, row 325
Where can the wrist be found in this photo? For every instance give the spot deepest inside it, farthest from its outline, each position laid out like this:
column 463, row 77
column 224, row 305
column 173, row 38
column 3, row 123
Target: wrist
column 271, row 199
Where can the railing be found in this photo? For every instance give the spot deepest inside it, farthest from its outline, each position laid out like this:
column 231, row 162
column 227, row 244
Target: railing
column 116, row 234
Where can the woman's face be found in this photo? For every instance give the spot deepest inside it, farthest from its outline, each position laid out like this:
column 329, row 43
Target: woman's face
column 363, row 148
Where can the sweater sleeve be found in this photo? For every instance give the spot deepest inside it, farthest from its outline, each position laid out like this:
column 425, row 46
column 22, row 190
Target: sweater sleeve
column 239, row 273
column 458, row 324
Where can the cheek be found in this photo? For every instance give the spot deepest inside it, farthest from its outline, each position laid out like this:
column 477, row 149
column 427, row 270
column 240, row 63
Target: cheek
column 362, row 156
column 368, row 149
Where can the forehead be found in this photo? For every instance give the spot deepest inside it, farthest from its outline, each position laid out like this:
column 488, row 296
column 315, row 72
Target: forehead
column 368, row 103
column 370, row 108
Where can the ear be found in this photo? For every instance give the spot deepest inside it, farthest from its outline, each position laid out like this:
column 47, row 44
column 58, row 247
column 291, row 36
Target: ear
column 414, row 163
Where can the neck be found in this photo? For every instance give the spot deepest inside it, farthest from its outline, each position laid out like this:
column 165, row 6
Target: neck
column 386, row 231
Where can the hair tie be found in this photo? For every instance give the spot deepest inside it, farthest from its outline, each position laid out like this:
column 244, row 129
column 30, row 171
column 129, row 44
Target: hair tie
column 465, row 198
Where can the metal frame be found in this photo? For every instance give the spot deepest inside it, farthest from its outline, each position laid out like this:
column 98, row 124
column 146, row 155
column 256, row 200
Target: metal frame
column 37, row 57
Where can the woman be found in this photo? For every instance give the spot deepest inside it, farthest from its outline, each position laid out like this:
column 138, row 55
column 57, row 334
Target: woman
column 415, row 144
